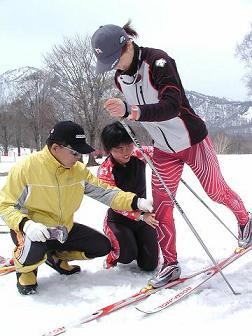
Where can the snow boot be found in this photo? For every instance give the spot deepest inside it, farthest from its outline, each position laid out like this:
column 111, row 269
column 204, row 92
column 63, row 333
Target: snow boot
column 245, row 233
column 61, row 266
column 27, row 282
column 167, row 273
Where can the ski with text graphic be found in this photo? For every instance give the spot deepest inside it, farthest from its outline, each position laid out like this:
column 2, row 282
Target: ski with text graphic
column 138, row 296
column 145, row 293
column 197, row 282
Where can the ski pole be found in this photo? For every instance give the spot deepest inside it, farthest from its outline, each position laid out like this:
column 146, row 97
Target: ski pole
column 204, row 203
column 172, row 197
column 212, row 212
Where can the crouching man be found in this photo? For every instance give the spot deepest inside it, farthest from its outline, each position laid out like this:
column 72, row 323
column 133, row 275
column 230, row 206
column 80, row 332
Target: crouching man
column 38, row 202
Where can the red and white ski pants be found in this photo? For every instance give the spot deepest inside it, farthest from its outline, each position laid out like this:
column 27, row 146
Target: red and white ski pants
column 203, row 161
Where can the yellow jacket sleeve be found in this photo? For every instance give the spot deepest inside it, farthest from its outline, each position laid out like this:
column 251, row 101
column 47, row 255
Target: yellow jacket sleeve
column 107, row 194
column 12, row 192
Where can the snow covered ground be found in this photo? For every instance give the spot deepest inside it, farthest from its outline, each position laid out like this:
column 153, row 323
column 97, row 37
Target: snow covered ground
column 211, row 310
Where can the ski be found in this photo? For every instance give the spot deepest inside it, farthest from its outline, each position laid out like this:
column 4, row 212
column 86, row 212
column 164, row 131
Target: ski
column 6, row 261
column 143, row 294
column 6, row 265
column 200, row 280
column 6, row 269
column 140, row 295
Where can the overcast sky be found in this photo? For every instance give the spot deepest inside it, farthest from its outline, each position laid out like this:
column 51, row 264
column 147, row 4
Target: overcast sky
column 200, row 35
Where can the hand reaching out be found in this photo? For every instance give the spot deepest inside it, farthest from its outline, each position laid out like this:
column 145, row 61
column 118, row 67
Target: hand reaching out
column 149, row 218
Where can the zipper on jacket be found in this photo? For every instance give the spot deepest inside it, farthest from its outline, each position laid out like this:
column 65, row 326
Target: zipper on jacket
column 137, row 96
column 166, row 141
column 141, row 92
column 60, row 209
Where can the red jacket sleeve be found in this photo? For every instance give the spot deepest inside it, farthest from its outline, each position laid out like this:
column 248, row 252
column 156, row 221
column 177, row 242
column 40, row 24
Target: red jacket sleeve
column 105, row 174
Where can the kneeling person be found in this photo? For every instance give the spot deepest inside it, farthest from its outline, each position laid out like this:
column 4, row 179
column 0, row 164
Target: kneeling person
column 132, row 234
column 40, row 197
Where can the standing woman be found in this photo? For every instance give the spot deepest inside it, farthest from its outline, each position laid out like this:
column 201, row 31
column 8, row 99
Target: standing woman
column 132, row 233
column 155, row 97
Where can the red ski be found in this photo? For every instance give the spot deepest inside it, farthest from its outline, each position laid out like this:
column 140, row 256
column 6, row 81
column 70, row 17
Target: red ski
column 145, row 292
column 6, row 265
column 189, row 289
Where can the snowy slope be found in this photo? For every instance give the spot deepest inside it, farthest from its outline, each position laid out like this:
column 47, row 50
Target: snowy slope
column 10, row 82
column 213, row 309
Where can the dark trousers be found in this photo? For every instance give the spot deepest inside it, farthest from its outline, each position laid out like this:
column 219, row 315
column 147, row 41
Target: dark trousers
column 137, row 241
column 81, row 238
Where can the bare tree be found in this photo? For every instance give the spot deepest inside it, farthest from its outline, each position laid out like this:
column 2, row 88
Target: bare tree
column 36, row 106
column 6, row 118
column 7, row 128
column 222, row 143
column 21, row 134
column 244, row 52
column 77, row 83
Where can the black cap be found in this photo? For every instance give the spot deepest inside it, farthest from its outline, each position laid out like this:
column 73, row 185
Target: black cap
column 70, row 134
column 107, row 43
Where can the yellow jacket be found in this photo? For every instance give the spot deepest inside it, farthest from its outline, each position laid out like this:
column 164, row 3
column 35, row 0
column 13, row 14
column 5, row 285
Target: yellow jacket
column 41, row 189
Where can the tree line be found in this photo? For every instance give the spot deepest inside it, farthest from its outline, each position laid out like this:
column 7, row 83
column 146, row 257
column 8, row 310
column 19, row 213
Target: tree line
column 67, row 88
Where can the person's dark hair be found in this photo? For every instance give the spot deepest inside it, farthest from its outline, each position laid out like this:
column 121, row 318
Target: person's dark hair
column 113, row 135
column 50, row 142
column 130, row 30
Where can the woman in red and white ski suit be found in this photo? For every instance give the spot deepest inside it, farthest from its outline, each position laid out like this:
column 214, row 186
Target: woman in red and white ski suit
column 155, row 97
